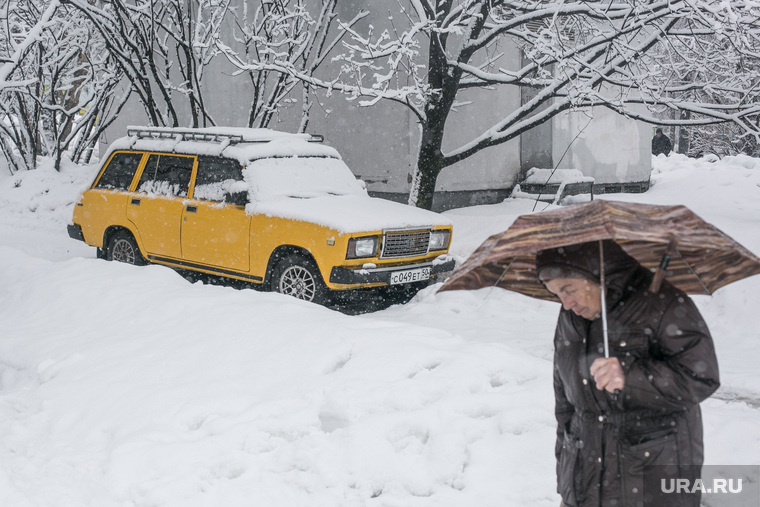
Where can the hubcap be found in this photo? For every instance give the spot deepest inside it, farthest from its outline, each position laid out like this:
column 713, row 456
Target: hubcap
column 123, row 252
column 297, row 281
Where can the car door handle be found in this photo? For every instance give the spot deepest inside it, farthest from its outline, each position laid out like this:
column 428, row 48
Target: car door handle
column 136, row 202
column 192, row 209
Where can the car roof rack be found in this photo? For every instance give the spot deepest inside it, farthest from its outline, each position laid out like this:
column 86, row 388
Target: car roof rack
column 180, row 134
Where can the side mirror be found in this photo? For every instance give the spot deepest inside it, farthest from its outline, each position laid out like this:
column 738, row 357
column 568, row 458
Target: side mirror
column 237, row 198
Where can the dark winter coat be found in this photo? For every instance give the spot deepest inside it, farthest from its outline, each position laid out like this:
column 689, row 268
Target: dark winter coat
column 668, row 359
column 661, row 144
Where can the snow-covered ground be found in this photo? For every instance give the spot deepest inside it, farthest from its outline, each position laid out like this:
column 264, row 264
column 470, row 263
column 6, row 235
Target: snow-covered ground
column 124, row 386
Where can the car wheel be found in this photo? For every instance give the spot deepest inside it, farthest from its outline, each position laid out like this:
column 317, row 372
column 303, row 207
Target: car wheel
column 298, row 276
column 122, row 247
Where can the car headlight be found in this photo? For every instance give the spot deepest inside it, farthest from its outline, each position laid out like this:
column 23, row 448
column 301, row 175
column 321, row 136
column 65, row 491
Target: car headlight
column 362, row 247
column 439, row 240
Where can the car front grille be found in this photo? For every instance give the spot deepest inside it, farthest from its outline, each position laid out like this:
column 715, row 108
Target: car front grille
column 405, row 243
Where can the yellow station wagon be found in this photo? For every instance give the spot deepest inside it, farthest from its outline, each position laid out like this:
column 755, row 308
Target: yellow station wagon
column 275, row 209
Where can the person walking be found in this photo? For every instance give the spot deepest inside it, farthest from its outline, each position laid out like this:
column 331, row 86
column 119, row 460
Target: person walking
column 661, row 143
column 633, row 357
column 639, row 407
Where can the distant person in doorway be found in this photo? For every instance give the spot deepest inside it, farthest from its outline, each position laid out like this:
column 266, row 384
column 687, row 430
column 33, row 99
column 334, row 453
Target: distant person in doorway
column 661, row 144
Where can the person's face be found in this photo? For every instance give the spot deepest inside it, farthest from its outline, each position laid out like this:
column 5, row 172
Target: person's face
column 580, row 295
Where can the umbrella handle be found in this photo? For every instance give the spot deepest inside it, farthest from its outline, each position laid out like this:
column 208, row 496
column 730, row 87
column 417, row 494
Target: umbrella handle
column 659, row 273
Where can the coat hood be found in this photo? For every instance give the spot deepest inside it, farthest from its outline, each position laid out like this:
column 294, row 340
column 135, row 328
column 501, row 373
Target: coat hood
column 583, row 261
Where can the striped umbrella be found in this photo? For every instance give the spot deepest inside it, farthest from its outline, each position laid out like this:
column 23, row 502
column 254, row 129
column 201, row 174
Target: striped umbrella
column 673, row 241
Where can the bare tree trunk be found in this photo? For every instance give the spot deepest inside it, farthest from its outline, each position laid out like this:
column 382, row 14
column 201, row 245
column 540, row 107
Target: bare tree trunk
column 429, row 164
column 683, row 134
column 444, row 81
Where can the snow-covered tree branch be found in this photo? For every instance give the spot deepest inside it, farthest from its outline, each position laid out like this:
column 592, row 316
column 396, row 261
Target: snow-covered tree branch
column 692, row 56
column 56, row 87
column 162, row 47
column 283, row 44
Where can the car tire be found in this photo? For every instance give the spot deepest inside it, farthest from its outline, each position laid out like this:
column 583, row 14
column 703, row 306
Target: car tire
column 122, row 247
column 298, row 276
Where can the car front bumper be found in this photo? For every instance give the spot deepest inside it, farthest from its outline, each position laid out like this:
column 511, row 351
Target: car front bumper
column 382, row 275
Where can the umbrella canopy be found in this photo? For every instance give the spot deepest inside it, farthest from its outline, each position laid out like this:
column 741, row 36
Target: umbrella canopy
column 703, row 258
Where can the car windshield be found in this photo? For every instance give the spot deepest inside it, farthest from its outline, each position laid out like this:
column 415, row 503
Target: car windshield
column 300, row 177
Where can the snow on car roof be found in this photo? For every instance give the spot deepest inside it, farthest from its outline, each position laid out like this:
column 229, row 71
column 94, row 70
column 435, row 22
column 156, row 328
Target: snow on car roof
column 242, row 144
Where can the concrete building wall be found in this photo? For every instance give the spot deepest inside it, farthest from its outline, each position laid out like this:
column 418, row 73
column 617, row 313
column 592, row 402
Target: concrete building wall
column 611, row 148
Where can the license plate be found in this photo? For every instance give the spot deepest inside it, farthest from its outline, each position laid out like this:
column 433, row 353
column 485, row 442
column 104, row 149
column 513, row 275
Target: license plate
column 410, row 275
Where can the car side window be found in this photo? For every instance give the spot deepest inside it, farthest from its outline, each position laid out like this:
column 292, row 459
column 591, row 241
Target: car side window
column 120, row 171
column 216, row 178
column 166, row 175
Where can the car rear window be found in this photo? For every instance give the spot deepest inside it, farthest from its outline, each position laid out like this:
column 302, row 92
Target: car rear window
column 120, row 171
column 215, row 177
column 166, row 175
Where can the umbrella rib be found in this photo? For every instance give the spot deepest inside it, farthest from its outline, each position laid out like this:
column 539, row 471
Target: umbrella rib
column 496, row 283
column 503, row 273
column 699, row 279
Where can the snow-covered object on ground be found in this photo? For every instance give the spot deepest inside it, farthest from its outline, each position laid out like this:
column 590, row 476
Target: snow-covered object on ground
column 552, row 184
column 124, row 386
column 536, row 176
